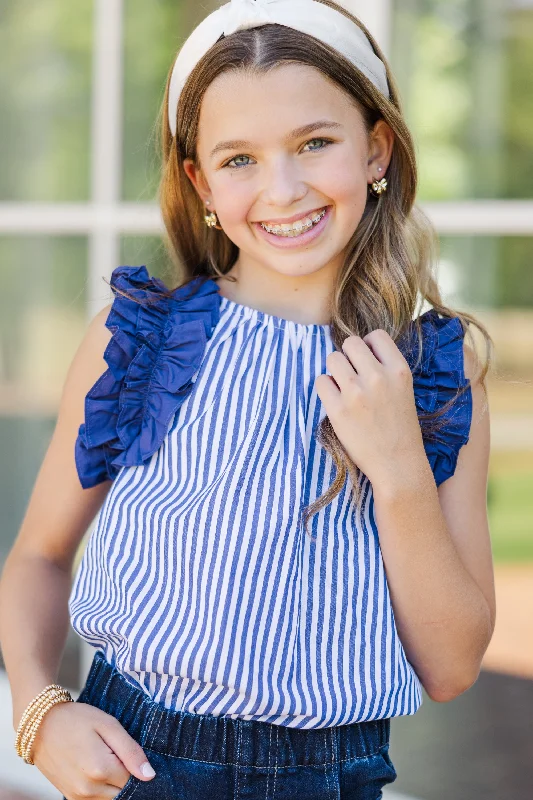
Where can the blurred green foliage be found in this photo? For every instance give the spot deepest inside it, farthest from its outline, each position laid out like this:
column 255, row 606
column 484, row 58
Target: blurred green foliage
column 151, row 252
column 465, row 73
column 151, row 39
column 38, row 274
column 45, row 85
column 153, row 34
column 510, row 507
column 491, row 271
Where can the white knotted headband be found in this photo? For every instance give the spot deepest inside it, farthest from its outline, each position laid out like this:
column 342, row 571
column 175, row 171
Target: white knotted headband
column 307, row 16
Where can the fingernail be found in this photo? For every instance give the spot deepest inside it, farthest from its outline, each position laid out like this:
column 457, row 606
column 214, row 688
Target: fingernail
column 147, row 770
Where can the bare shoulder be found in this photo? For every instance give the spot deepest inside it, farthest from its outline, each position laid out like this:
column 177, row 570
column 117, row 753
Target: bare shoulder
column 85, row 369
column 93, row 345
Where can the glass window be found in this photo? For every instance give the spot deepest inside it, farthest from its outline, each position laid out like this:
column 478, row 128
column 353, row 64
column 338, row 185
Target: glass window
column 150, row 252
column 45, row 111
column 489, row 271
column 153, row 34
column 465, row 73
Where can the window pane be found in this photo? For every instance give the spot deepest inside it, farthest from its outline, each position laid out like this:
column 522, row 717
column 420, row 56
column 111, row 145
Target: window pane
column 150, row 252
column 465, row 70
column 153, row 34
column 45, row 79
column 42, row 321
column 489, row 271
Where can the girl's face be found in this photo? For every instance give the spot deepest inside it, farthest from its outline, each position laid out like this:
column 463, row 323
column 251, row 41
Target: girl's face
column 285, row 161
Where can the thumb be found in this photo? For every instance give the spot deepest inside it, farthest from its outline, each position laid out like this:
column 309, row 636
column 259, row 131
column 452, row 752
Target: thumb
column 126, row 749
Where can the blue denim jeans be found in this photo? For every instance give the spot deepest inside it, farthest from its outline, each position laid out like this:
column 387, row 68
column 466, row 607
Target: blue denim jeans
column 219, row 758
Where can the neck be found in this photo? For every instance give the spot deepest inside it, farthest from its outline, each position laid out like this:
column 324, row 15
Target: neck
column 302, row 299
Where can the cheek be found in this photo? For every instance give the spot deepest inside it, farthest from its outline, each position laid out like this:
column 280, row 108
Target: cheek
column 232, row 199
column 346, row 185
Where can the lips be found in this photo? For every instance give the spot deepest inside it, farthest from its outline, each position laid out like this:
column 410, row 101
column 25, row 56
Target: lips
column 295, row 241
column 295, row 227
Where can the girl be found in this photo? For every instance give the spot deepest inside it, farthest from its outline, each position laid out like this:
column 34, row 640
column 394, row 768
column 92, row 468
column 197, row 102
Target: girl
column 289, row 460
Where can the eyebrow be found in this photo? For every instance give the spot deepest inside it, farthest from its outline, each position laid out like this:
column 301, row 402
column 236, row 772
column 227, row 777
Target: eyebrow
column 297, row 133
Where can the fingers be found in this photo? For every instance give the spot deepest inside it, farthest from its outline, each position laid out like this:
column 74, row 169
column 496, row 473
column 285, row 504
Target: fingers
column 383, row 347
column 100, row 775
column 111, row 771
column 364, row 361
column 86, row 753
column 86, row 788
column 125, row 748
column 359, row 354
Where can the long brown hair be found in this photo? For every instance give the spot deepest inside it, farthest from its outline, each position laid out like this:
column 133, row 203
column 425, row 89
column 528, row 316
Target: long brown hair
column 390, row 262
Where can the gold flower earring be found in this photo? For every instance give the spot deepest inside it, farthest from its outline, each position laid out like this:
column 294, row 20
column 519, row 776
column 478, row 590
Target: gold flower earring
column 378, row 187
column 211, row 220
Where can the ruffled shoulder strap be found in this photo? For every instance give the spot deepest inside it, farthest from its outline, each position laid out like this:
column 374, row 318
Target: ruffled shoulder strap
column 438, row 379
column 158, row 342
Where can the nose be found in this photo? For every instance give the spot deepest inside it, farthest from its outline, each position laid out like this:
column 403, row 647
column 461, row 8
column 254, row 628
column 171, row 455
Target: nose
column 283, row 184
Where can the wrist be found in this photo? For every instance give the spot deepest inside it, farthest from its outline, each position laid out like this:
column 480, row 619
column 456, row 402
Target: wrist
column 33, row 716
column 411, row 476
column 24, row 696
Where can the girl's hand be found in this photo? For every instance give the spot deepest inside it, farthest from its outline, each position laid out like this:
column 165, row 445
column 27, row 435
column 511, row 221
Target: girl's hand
column 370, row 402
column 86, row 753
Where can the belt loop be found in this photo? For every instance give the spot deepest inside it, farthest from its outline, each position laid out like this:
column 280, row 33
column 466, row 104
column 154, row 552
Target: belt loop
column 110, row 675
column 147, row 726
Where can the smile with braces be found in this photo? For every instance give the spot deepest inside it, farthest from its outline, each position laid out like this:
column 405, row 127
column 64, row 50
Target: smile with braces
column 295, row 228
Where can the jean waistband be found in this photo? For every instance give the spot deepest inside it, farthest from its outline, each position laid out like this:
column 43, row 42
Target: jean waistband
column 223, row 739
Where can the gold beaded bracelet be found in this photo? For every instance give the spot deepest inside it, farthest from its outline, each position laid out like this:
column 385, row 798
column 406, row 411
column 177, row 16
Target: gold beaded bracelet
column 35, row 713
column 33, row 716
column 38, row 702
column 31, row 729
column 31, row 720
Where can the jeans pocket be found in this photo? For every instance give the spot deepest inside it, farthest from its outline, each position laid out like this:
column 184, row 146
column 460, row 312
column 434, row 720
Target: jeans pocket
column 129, row 788
column 127, row 791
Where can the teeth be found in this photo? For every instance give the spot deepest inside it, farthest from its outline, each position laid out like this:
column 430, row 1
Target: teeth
column 298, row 227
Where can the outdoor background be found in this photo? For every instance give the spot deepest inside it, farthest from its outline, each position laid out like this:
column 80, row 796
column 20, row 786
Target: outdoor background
column 80, row 87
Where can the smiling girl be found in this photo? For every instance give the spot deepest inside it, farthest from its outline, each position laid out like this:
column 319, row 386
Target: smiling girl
column 288, row 459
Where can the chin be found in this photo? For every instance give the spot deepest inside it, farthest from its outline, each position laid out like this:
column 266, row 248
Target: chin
column 300, row 262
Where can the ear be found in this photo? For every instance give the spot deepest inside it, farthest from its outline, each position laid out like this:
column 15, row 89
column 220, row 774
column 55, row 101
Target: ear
column 197, row 178
column 380, row 150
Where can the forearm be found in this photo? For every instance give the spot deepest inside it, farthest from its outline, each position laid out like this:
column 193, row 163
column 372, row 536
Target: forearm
column 442, row 617
column 34, row 624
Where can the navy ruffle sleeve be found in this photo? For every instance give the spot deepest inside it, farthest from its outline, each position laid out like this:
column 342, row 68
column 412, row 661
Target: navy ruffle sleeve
column 437, row 379
column 157, row 346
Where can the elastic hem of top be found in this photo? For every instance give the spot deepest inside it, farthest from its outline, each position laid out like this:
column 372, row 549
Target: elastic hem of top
column 222, row 739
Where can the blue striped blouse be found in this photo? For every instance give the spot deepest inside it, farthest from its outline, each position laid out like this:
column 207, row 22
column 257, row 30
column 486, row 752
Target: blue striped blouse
column 198, row 582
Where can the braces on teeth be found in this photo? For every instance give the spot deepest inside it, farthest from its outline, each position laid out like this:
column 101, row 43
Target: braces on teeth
column 295, row 229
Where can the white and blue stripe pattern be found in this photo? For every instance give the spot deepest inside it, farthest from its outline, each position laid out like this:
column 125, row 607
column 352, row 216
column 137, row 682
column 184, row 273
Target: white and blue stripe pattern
column 199, row 582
